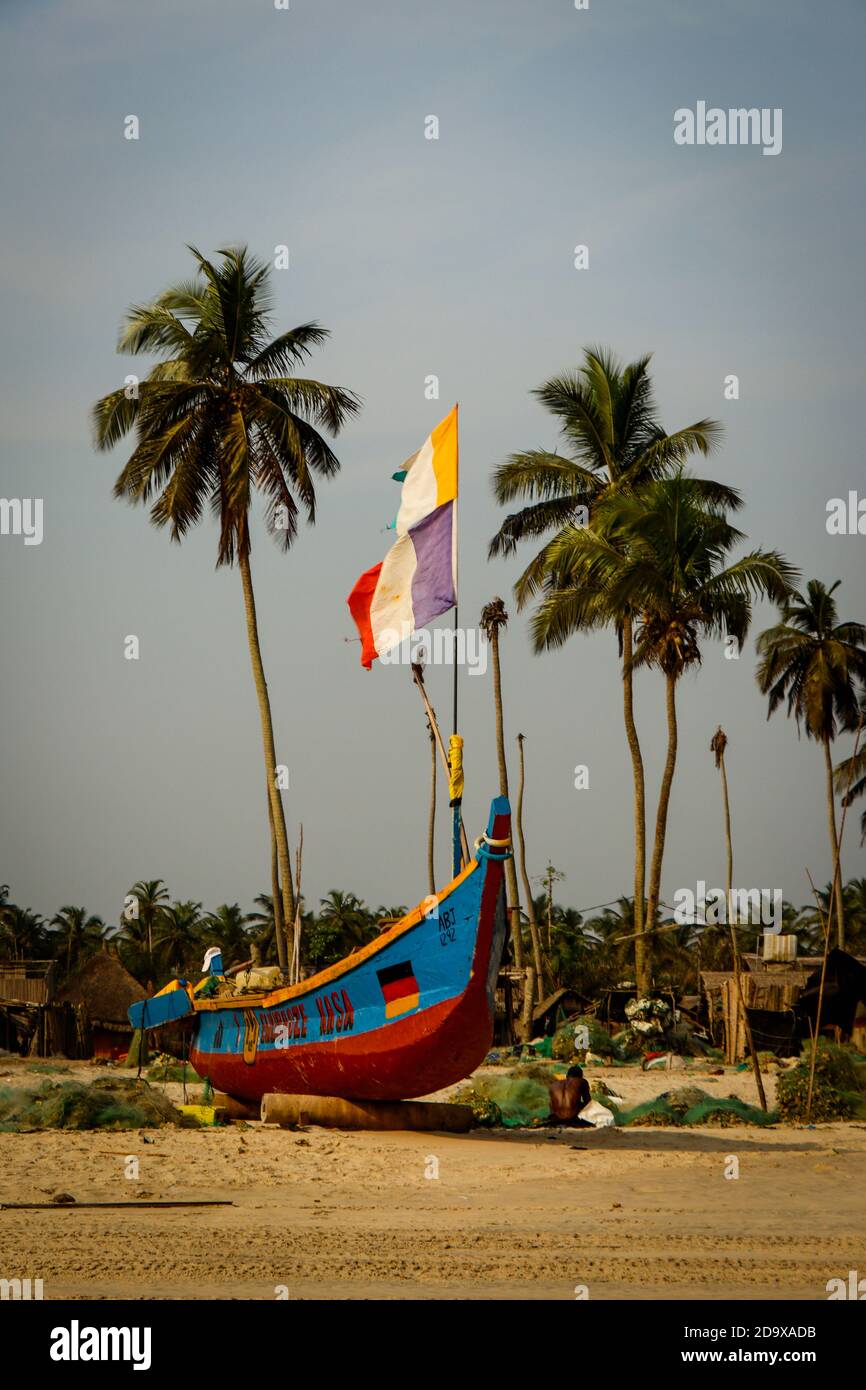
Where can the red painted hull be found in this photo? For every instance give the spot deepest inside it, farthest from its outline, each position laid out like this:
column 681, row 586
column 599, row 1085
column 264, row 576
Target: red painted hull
column 412, row 1057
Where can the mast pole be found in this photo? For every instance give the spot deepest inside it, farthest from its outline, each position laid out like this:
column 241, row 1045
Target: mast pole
column 418, row 678
column 457, row 840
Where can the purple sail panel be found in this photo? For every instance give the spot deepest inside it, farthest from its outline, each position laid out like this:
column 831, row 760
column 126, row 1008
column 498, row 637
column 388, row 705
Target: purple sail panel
column 433, row 581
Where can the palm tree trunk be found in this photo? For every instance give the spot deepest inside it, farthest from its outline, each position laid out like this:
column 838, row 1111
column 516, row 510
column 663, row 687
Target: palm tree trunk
column 835, row 849
column 431, row 824
column 510, row 871
column 655, row 876
column 279, row 819
column 279, row 929
column 729, row 899
column 521, row 851
column 642, row 944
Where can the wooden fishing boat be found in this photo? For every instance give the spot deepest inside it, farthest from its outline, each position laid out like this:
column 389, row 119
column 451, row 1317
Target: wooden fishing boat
column 406, row 1015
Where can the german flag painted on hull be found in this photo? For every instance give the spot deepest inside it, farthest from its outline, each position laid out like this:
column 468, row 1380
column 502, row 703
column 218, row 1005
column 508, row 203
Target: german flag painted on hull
column 399, row 988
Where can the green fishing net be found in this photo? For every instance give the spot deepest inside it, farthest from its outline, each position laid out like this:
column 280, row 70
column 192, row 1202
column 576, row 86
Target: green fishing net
column 593, row 1036
column 104, row 1104
column 688, row 1106
column 164, row 1067
column 521, row 1097
column 839, row 1089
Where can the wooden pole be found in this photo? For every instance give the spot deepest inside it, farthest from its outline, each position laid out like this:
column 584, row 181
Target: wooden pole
column 296, row 941
column 718, row 746
column 338, row 1113
column 418, row 677
column 276, row 899
column 829, row 923
column 431, row 822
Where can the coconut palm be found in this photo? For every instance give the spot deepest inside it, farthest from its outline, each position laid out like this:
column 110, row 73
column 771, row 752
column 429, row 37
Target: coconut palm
column 149, row 898
column 614, row 443
column 384, row 913
column 855, row 912
column 814, row 662
column 228, row 929
column 493, row 617
column 79, row 934
column 179, row 934
column 22, row 932
column 263, row 926
column 567, row 955
column 815, row 915
column 659, row 553
column 849, row 777
column 348, row 915
column 218, row 417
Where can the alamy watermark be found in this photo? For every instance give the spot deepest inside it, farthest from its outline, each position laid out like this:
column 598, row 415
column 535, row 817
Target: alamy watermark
column 736, row 126
column 709, row 906
column 467, row 646
column 22, row 516
column 846, row 516
column 21, row 1289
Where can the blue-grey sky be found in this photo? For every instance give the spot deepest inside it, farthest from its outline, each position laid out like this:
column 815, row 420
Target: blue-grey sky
column 451, row 256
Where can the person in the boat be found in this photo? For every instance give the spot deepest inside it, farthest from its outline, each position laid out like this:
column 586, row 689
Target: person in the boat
column 567, row 1099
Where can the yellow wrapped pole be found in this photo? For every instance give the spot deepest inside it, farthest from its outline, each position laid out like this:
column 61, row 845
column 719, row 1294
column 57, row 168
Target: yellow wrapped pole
column 455, row 791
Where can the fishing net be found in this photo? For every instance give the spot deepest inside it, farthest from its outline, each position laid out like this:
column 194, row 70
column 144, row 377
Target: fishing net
column 521, row 1097
column 839, row 1090
column 104, row 1104
column 485, row 1112
column 164, row 1067
column 689, row 1106
column 583, row 1035
column 137, row 1055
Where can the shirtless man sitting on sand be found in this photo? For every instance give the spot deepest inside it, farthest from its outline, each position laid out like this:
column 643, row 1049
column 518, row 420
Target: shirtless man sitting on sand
column 567, row 1099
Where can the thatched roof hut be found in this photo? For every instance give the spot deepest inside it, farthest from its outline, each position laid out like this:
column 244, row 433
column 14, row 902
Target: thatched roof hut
column 105, row 989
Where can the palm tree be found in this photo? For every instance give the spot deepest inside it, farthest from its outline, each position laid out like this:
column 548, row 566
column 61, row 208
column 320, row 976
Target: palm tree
column 150, row 897
column 494, row 617
column 659, row 554
column 22, row 932
column 569, row 949
column 228, row 929
column 849, row 777
column 218, row 417
column 263, row 925
column 812, row 661
column 180, row 927
column 348, row 915
column 80, row 934
column 385, row 914
column 855, row 912
column 815, row 916
column 615, row 443
column 612, row 933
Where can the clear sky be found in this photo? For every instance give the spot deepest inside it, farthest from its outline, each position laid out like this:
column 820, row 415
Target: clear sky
column 451, row 256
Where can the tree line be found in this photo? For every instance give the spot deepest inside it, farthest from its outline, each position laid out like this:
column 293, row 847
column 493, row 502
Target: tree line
column 583, row 951
column 626, row 539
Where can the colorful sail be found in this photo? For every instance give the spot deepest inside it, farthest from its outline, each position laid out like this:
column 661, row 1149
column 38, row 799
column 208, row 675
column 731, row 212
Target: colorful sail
column 417, row 580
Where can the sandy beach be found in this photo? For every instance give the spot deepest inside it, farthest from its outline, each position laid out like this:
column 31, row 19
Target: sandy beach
column 639, row 1213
